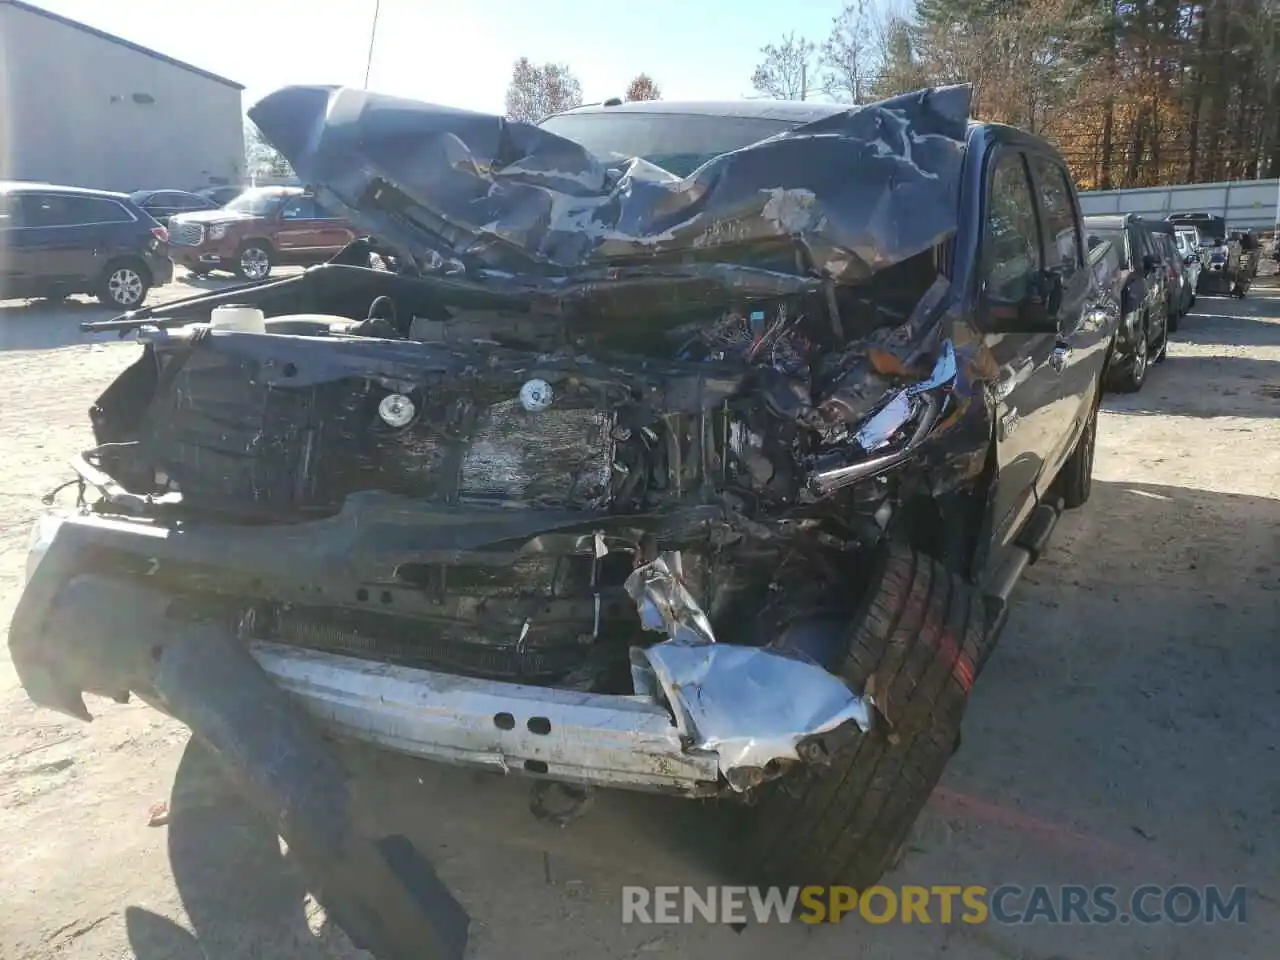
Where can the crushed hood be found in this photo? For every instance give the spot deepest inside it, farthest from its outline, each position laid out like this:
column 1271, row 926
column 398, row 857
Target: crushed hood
column 835, row 199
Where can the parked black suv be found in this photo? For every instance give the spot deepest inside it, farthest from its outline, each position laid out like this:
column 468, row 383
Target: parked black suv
column 1144, row 302
column 56, row 241
column 163, row 204
column 822, row 405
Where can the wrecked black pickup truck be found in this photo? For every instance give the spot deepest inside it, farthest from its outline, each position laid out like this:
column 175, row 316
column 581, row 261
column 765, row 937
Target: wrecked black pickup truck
column 684, row 448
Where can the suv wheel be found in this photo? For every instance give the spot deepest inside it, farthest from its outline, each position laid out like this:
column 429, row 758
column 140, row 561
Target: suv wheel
column 124, row 284
column 922, row 634
column 1130, row 379
column 253, row 262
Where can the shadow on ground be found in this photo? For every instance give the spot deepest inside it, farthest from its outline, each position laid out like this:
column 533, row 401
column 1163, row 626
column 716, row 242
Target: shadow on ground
column 1248, row 323
column 1125, row 733
column 1205, row 386
column 217, row 281
column 49, row 324
column 53, row 324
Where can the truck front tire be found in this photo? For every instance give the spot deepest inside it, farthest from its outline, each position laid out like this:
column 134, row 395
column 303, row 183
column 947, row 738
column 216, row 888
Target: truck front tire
column 920, row 639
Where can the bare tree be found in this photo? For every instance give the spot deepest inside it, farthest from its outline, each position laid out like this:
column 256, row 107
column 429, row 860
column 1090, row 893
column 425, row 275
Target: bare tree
column 899, row 66
column 262, row 159
column 848, row 54
column 786, row 71
column 536, row 92
column 643, row 88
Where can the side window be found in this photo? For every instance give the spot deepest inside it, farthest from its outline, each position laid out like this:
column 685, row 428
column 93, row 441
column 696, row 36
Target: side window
column 1063, row 231
column 1137, row 248
column 43, row 210
column 53, row 210
column 98, row 210
column 1148, row 244
column 324, row 213
column 1011, row 247
column 299, row 208
column 9, row 212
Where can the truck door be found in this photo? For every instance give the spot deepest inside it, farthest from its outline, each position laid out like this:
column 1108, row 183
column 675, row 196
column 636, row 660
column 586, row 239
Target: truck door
column 298, row 232
column 1012, row 268
column 333, row 232
column 1080, row 347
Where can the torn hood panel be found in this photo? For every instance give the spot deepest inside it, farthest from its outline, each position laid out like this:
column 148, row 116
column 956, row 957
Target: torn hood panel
column 856, row 192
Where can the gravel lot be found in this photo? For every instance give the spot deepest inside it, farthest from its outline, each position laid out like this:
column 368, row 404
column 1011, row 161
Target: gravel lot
column 1126, row 731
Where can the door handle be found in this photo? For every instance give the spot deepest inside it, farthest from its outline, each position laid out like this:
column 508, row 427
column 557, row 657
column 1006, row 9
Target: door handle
column 1058, row 359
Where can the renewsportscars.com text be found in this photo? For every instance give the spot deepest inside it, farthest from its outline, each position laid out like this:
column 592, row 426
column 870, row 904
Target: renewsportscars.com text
column 940, row 903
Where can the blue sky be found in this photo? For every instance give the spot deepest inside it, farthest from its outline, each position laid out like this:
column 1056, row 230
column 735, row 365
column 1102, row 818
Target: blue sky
column 461, row 53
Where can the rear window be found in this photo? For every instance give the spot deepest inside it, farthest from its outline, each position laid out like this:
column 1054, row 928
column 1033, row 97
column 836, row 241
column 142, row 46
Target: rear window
column 67, row 210
column 674, row 142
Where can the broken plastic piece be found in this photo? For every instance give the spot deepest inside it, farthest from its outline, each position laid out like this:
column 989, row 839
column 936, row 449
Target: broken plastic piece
column 923, row 404
column 887, row 421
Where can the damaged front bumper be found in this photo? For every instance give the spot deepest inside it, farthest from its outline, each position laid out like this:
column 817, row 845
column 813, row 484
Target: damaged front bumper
column 707, row 718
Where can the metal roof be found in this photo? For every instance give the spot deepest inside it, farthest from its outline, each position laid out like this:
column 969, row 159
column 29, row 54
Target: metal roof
column 120, row 41
column 1112, row 221
column 37, row 186
column 797, row 111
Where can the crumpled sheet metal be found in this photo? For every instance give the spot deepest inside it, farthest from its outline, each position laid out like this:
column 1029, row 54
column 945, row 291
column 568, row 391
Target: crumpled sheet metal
column 749, row 705
column 858, row 191
column 665, row 603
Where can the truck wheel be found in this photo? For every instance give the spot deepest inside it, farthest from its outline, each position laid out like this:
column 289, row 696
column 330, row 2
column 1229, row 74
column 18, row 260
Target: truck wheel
column 1172, row 326
column 123, row 284
column 1075, row 481
column 253, row 260
column 921, row 634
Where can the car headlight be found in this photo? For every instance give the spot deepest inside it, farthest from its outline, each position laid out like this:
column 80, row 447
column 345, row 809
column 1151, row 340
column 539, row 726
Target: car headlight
column 42, row 533
column 217, row 231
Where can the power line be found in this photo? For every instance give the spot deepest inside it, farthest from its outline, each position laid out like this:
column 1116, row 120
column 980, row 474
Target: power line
column 373, row 35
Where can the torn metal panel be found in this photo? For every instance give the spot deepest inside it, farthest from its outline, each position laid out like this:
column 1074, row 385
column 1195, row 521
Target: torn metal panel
column 854, row 192
column 665, row 603
column 750, row 706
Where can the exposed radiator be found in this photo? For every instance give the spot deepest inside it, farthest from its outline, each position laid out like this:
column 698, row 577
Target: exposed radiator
column 225, row 438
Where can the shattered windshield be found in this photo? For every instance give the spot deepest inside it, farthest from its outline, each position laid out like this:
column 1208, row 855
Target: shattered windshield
column 256, row 203
column 676, row 143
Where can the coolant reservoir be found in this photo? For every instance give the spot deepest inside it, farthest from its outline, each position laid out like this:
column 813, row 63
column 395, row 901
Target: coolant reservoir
column 238, row 317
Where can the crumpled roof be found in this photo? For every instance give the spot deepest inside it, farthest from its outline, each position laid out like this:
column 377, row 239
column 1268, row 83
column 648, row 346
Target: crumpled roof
column 856, row 192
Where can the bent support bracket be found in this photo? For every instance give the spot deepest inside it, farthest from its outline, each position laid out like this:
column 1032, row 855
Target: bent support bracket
column 385, row 896
column 378, row 889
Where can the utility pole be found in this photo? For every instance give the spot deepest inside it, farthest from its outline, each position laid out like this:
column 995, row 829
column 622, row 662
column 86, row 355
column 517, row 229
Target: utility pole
column 373, row 35
column 804, row 81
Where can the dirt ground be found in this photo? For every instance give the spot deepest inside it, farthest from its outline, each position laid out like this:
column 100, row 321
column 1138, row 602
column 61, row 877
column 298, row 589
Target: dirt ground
column 1126, row 732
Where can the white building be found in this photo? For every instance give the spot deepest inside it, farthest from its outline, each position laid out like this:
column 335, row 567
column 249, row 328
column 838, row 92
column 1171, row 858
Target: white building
column 79, row 106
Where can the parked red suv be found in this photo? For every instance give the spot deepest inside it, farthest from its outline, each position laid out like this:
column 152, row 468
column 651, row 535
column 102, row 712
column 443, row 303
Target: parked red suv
column 260, row 228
